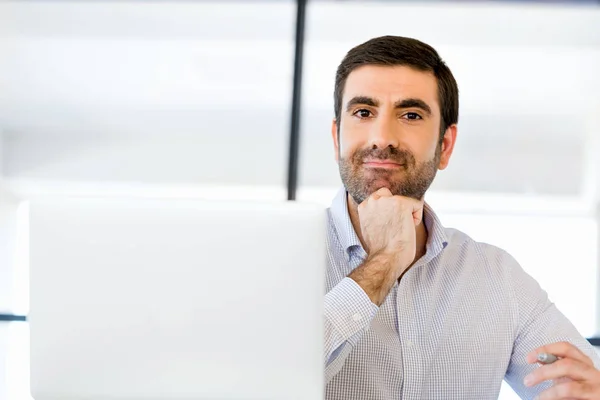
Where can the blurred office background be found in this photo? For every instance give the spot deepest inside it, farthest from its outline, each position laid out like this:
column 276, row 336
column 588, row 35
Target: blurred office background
column 194, row 99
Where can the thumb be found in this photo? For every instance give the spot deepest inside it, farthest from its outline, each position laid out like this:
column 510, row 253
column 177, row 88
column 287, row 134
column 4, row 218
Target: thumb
column 417, row 211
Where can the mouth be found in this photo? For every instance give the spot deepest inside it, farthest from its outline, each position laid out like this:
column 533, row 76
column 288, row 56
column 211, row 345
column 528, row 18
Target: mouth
column 384, row 164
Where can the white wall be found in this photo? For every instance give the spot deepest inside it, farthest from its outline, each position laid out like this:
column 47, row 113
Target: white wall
column 146, row 92
column 8, row 236
column 199, row 93
column 528, row 80
column 4, row 331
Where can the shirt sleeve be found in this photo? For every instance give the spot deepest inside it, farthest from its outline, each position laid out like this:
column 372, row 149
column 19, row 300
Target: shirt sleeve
column 348, row 315
column 540, row 323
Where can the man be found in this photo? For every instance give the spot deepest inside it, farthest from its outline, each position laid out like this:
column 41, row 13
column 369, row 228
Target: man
column 414, row 310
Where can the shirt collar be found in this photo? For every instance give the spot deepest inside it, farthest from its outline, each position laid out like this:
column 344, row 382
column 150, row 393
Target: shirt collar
column 437, row 238
column 342, row 223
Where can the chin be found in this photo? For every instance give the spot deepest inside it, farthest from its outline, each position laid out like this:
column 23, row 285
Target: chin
column 376, row 184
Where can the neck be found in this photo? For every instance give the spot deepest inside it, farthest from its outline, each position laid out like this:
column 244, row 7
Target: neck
column 420, row 229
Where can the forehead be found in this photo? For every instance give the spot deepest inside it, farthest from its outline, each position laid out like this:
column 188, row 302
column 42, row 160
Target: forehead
column 392, row 83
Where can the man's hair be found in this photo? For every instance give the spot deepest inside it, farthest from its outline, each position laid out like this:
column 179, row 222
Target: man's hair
column 397, row 50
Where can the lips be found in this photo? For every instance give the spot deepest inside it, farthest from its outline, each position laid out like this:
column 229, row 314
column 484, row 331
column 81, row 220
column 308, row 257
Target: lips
column 389, row 164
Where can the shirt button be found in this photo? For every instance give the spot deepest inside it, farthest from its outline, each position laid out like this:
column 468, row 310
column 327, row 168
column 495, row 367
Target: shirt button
column 357, row 317
column 409, row 343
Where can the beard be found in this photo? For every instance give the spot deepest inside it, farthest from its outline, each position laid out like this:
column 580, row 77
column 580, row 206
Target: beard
column 412, row 179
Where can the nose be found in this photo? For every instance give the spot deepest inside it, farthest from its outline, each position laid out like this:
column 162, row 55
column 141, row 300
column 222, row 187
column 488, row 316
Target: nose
column 382, row 134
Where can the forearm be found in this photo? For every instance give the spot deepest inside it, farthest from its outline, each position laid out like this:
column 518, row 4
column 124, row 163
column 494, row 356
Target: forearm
column 377, row 276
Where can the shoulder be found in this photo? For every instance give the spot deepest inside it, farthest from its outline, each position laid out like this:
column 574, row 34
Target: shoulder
column 480, row 257
column 459, row 241
column 491, row 263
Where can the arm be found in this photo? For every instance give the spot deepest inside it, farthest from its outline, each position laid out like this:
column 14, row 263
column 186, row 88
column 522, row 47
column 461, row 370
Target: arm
column 348, row 314
column 540, row 323
column 387, row 224
column 351, row 306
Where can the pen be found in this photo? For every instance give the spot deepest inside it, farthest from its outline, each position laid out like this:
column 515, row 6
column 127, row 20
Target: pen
column 546, row 358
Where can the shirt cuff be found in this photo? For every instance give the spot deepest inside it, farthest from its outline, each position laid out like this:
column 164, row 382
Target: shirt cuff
column 348, row 308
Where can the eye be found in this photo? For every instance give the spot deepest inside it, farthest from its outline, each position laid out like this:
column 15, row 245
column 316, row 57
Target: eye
column 363, row 113
column 412, row 116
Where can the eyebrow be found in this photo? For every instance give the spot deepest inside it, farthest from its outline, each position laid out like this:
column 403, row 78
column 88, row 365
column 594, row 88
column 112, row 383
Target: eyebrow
column 413, row 103
column 405, row 103
column 361, row 100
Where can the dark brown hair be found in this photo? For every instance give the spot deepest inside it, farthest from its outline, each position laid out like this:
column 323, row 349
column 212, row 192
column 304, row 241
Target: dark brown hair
column 397, row 50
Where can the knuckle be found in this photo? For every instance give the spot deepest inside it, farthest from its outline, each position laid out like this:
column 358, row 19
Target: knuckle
column 400, row 200
column 401, row 207
column 568, row 363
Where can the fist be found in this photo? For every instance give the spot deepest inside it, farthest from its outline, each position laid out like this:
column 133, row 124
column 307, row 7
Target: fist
column 387, row 224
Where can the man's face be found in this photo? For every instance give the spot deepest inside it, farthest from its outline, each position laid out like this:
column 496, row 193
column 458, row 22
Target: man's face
column 389, row 132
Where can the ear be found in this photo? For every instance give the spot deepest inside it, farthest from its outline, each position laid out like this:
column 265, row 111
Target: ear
column 448, row 143
column 334, row 136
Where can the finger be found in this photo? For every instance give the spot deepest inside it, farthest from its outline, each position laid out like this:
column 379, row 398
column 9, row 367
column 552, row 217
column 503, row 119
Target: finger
column 410, row 208
column 564, row 368
column 562, row 350
column 559, row 349
column 417, row 216
column 416, row 209
column 382, row 192
column 563, row 391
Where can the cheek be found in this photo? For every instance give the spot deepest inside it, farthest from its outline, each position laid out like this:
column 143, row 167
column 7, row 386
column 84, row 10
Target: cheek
column 349, row 142
column 344, row 146
column 425, row 150
column 348, row 153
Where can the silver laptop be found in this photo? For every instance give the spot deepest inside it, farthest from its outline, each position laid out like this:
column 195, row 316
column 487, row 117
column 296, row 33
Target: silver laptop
column 176, row 299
